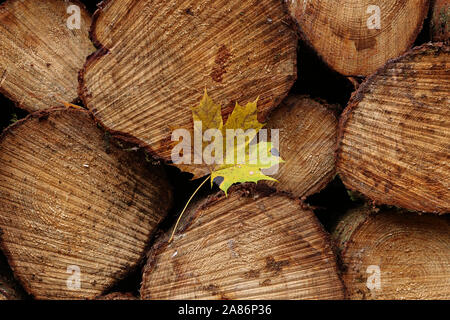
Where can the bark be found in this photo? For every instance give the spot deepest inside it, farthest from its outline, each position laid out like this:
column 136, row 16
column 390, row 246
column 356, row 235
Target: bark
column 118, row 296
column 440, row 21
column 156, row 58
column 308, row 131
column 347, row 36
column 250, row 245
column 70, row 197
column 411, row 251
column 395, row 133
column 40, row 57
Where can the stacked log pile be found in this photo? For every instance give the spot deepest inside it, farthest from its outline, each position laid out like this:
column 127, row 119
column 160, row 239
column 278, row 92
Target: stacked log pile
column 89, row 195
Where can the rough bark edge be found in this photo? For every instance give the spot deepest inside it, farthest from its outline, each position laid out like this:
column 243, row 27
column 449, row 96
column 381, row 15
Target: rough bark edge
column 102, row 51
column 247, row 190
column 305, row 39
column 43, row 115
column 118, row 296
column 359, row 95
column 6, row 94
column 331, row 109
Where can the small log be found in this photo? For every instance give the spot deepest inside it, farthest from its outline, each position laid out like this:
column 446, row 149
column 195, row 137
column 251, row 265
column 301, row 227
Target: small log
column 394, row 255
column 308, row 130
column 355, row 38
column 440, row 21
column 249, row 245
column 40, row 57
column 74, row 206
column 157, row 57
column 394, row 136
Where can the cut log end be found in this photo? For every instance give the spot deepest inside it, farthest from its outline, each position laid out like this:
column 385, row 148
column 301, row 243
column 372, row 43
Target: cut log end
column 162, row 55
column 355, row 38
column 77, row 211
column 249, row 245
column 42, row 49
column 394, row 255
column 307, row 142
column 395, row 133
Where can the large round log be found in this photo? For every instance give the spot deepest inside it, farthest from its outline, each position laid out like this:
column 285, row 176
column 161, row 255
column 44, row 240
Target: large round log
column 118, row 296
column 394, row 255
column 356, row 37
column 307, row 142
column 77, row 211
column 42, row 49
column 249, row 245
column 394, row 144
column 157, row 57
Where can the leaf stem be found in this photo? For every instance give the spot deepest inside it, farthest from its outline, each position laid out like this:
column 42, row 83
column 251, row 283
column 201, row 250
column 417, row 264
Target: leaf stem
column 185, row 207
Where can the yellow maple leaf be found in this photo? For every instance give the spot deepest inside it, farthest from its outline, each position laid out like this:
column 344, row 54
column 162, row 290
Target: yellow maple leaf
column 245, row 117
column 240, row 165
column 244, row 122
column 250, row 171
column 208, row 114
column 253, row 156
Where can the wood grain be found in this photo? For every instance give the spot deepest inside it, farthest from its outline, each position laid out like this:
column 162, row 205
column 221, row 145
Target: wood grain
column 118, row 296
column 307, row 138
column 440, row 21
column 40, row 57
column 339, row 32
column 71, row 198
column 9, row 288
column 412, row 252
column 251, row 245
